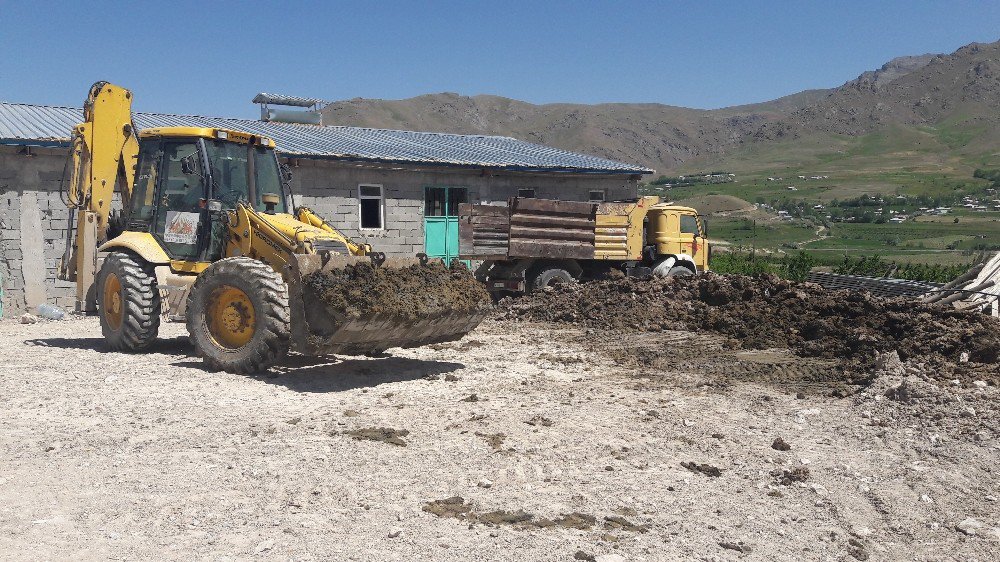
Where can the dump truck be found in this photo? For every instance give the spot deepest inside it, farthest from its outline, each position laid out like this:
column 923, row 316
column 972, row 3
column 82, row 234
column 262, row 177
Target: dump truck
column 529, row 243
column 206, row 232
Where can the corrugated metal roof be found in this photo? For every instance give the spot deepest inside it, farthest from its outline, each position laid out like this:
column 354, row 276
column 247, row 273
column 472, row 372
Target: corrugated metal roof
column 45, row 124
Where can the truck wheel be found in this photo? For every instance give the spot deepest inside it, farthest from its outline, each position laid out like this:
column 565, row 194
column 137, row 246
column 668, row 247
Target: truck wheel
column 128, row 302
column 238, row 316
column 551, row 277
column 679, row 271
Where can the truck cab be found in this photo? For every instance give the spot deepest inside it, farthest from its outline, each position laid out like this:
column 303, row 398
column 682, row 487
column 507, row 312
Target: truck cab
column 673, row 230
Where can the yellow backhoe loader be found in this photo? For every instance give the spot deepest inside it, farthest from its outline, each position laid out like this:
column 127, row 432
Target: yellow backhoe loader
column 206, row 232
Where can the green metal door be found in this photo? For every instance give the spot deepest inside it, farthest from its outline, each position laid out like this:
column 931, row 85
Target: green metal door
column 441, row 221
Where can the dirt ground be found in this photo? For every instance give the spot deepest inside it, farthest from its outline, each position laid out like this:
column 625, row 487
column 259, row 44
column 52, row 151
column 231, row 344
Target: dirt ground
column 523, row 441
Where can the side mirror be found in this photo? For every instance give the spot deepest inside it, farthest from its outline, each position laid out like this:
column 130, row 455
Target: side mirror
column 189, row 164
column 704, row 225
column 286, row 173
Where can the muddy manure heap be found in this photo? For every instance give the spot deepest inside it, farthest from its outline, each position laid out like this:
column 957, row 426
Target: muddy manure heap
column 410, row 292
column 768, row 312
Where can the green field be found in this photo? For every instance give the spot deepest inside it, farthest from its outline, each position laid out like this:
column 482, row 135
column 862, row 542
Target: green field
column 910, row 242
column 758, row 234
column 900, row 169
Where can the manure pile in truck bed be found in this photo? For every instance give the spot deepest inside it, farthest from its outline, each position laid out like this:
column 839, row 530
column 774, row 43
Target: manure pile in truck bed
column 769, row 312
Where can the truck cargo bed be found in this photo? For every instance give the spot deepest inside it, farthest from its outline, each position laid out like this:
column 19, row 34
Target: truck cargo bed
column 527, row 228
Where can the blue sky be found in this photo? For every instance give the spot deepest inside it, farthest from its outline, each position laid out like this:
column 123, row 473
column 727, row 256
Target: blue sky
column 211, row 57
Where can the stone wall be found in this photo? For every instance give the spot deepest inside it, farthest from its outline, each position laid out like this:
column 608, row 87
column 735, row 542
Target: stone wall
column 33, row 216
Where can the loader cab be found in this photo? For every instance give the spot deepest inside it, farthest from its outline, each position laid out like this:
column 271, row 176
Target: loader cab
column 186, row 175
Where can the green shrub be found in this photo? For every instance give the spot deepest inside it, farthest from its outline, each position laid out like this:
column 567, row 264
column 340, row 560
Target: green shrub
column 794, row 267
column 875, row 266
column 741, row 264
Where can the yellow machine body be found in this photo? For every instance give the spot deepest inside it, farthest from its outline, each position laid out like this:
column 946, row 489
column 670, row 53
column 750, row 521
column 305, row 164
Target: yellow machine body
column 141, row 243
column 174, row 229
column 623, row 229
column 677, row 230
column 619, row 229
column 206, row 133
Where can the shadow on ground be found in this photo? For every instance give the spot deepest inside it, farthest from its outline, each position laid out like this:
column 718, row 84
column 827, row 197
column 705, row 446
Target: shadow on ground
column 303, row 373
column 170, row 346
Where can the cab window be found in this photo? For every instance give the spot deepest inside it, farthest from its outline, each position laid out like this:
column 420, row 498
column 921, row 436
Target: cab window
column 268, row 179
column 230, row 184
column 689, row 225
column 229, row 172
column 147, row 173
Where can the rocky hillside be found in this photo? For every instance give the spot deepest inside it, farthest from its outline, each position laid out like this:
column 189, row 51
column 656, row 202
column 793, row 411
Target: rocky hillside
column 963, row 87
column 960, row 91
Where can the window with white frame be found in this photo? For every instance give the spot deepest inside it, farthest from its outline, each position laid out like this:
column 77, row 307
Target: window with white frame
column 526, row 192
column 371, row 207
column 596, row 195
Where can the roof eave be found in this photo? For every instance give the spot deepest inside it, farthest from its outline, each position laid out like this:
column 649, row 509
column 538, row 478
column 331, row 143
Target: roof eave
column 55, row 143
column 468, row 166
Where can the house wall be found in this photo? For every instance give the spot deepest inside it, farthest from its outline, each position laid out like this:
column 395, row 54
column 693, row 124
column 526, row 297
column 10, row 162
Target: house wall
column 33, row 216
column 331, row 189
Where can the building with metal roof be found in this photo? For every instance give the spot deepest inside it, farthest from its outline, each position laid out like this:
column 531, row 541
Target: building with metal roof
column 396, row 190
column 46, row 125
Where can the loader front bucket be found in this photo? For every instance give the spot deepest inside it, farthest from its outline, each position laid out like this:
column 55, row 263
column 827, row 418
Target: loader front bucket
column 349, row 305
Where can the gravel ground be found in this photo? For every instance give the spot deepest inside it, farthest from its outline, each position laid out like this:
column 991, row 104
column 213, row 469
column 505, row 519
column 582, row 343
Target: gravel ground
column 115, row 456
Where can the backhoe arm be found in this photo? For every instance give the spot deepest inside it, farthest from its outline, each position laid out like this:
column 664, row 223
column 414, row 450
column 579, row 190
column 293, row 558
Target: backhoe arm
column 105, row 148
column 104, row 152
column 306, row 215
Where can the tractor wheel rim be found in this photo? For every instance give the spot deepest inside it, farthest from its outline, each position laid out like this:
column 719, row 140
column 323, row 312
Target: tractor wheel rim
column 231, row 317
column 113, row 310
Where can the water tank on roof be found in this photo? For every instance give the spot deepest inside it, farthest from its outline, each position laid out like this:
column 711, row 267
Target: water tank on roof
column 311, row 116
column 291, row 116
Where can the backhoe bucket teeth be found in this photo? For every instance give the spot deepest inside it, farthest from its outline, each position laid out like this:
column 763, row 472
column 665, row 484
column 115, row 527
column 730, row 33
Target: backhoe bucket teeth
column 320, row 328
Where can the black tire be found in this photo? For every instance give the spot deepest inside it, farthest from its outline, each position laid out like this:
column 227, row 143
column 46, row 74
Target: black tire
column 550, row 277
column 217, row 329
column 128, row 302
column 679, row 271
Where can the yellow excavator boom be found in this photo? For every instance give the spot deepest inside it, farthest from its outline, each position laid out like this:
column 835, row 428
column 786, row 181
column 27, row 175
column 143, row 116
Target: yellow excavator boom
column 103, row 152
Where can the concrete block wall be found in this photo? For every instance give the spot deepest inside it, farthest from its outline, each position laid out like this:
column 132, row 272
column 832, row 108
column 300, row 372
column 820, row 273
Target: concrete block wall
column 32, row 229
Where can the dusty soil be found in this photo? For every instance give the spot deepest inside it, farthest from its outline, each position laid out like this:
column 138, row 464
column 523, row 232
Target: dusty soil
column 381, row 434
column 408, row 292
column 113, row 456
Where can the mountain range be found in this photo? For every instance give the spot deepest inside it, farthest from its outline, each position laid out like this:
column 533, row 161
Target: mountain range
column 942, row 102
